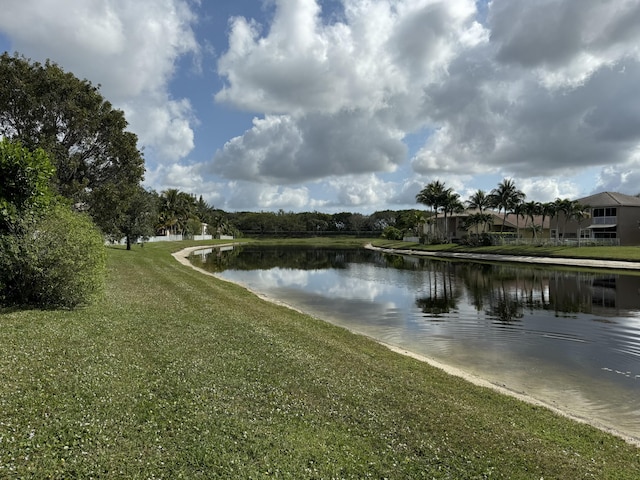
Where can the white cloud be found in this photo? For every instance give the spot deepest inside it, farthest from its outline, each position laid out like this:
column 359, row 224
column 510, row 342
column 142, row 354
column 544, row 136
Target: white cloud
column 624, row 178
column 186, row 178
column 287, row 149
column 346, row 91
column 129, row 48
column 547, row 189
column 361, row 190
column 565, row 41
column 251, row 196
column 536, row 91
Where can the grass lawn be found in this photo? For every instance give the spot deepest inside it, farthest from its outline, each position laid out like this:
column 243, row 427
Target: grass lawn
column 175, row 374
column 600, row 253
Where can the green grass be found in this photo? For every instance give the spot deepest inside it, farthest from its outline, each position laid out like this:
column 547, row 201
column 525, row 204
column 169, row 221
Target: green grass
column 629, row 253
column 175, row 374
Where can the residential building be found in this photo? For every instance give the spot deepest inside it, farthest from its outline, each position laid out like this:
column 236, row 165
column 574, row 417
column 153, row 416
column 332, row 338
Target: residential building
column 457, row 225
column 613, row 216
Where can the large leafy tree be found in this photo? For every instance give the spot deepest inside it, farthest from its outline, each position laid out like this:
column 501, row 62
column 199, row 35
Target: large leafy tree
column 140, row 217
column 24, row 184
column 94, row 156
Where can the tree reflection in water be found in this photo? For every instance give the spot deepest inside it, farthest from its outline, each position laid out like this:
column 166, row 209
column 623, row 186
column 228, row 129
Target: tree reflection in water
column 502, row 291
column 441, row 295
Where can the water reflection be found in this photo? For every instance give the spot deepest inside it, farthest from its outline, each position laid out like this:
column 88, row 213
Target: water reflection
column 568, row 338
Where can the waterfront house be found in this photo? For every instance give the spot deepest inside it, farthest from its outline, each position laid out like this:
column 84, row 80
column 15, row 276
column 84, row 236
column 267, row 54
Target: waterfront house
column 614, row 217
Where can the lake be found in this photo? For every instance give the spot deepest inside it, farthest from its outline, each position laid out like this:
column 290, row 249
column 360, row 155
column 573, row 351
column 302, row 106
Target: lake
column 568, row 338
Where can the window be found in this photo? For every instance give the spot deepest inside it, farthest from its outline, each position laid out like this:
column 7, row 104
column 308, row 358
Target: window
column 605, row 212
column 604, row 216
column 605, row 233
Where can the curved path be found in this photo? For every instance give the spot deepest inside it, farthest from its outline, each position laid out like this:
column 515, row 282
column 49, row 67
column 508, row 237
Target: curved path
column 490, row 257
column 182, row 256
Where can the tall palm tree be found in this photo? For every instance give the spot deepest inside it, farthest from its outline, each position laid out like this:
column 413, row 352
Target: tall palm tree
column 579, row 212
column 562, row 205
column 505, row 197
column 548, row 210
column 451, row 204
column 479, row 200
column 176, row 209
column 531, row 210
column 433, row 195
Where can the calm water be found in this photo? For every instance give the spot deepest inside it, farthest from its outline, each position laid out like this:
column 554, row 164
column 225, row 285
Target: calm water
column 568, row 338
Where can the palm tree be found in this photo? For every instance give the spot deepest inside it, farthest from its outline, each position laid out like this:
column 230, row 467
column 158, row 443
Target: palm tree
column 574, row 210
column 562, row 205
column 580, row 212
column 176, row 209
column 479, row 200
column 477, row 219
column 433, row 195
column 547, row 210
column 505, row 197
column 518, row 210
column 531, row 210
column 451, row 204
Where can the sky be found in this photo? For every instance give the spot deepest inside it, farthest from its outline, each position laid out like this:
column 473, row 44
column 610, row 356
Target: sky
column 356, row 105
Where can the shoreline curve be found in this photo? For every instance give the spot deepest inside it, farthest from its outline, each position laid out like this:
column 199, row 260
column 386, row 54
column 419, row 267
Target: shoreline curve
column 182, row 256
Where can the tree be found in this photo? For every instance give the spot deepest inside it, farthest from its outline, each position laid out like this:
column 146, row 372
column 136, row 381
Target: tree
column 176, row 208
column 433, row 195
column 50, row 256
column 531, row 210
column 451, row 204
column 24, row 183
column 479, row 200
column 139, row 218
column 84, row 136
column 562, row 205
column 548, row 210
column 505, row 197
column 573, row 210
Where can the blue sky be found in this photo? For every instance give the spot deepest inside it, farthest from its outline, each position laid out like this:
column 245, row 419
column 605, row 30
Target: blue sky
column 355, row 105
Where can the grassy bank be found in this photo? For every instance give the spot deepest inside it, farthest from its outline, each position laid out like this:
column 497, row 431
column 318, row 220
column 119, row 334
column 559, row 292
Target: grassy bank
column 600, row 253
column 175, row 374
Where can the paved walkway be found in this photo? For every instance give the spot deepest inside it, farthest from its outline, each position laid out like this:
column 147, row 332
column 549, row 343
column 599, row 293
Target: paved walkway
column 489, row 257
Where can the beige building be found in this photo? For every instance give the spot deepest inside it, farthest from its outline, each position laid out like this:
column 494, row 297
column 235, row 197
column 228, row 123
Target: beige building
column 457, row 225
column 613, row 216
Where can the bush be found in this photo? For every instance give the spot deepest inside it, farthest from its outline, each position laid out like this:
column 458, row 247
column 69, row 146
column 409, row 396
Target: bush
column 475, row 240
column 56, row 261
column 392, row 233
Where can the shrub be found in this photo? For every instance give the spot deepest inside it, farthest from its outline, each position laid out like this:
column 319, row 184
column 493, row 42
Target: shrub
column 475, row 240
column 57, row 260
column 392, row 233
column 24, row 183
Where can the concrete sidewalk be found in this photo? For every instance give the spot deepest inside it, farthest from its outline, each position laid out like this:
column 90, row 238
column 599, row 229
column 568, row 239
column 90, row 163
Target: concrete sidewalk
column 488, row 257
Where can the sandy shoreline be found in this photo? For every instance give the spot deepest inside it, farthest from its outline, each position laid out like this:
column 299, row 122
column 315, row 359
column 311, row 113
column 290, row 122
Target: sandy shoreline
column 182, row 257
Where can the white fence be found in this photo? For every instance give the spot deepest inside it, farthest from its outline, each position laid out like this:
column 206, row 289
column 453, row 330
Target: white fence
column 172, row 238
column 567, row 242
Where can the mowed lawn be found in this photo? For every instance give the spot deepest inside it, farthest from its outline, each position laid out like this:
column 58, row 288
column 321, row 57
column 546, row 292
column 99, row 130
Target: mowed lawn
column 175, row 374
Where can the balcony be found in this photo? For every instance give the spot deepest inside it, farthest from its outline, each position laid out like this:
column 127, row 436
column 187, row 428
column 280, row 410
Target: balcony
column 602, row 221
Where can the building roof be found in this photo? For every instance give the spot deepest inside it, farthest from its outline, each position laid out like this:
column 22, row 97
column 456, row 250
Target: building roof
column 512, row 219
column 610, row 199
